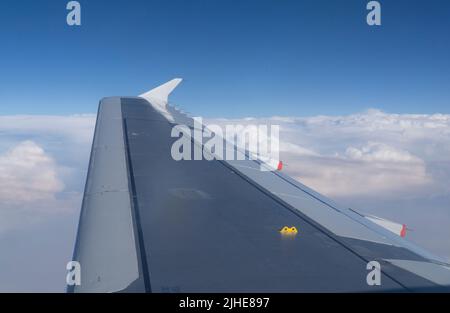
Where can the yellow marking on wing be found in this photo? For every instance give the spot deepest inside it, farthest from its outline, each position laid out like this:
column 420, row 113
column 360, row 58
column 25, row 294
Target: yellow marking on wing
column 286, row 230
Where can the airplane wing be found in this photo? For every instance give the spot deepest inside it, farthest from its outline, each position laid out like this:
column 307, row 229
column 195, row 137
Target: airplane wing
column 149, row 223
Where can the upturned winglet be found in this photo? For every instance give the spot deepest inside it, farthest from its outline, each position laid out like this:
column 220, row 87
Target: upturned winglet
column 162, row 92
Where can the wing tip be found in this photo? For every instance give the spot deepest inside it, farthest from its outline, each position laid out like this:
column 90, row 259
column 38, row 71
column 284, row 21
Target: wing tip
column 163, row 91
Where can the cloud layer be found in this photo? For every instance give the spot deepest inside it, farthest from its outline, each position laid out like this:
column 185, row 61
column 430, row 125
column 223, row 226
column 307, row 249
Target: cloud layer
column 370, row 154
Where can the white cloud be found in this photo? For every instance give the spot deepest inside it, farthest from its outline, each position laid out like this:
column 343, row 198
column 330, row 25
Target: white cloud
column 31, row 188
column 371, row 169
column 42, row 167
column 348, row 177
column 28, row 174
column 380, row 152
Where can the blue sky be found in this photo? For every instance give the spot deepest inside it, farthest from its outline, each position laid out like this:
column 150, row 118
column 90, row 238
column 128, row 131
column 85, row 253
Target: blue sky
column 238, row 58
